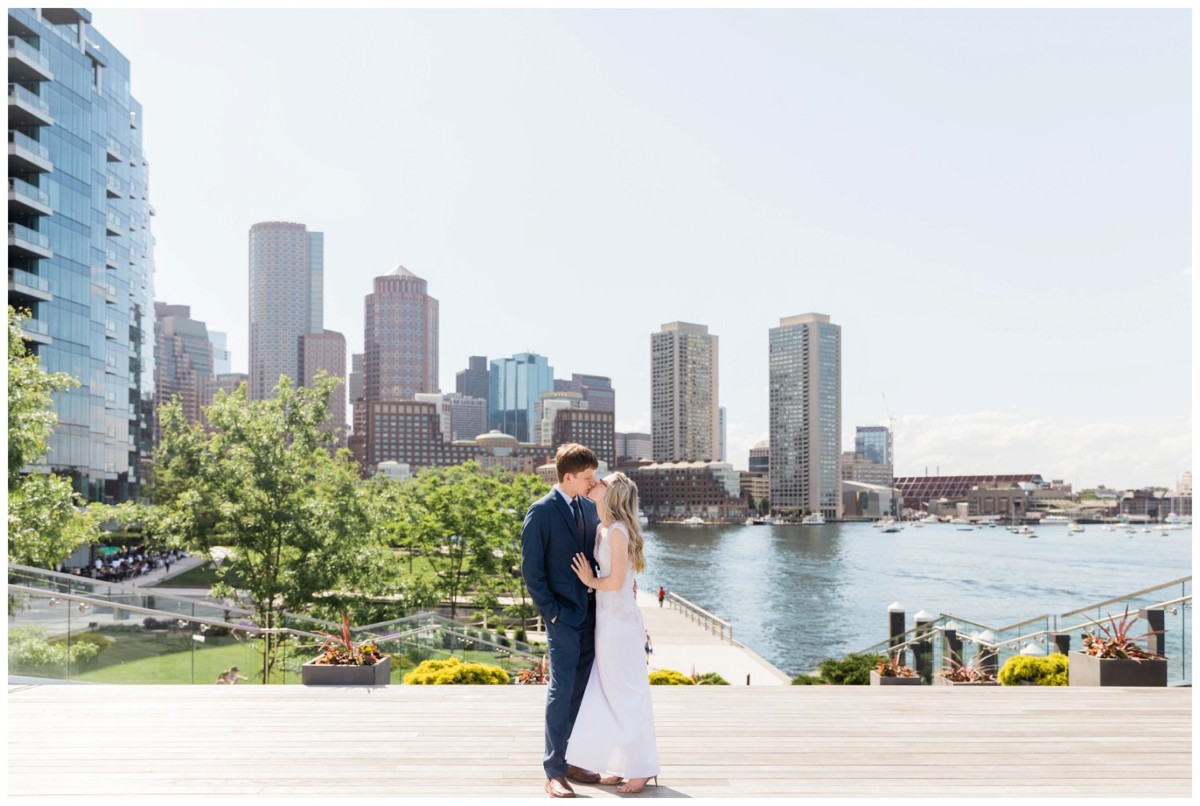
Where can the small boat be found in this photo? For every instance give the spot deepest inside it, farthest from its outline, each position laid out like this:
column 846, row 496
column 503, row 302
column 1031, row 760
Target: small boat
column 1032, row 534
column 893, row 527
column 695, row 520
column 1074, row 527
column 814, row 519
column 930, row 519
column 1060, row 519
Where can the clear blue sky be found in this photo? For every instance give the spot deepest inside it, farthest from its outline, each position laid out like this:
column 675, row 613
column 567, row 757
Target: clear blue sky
column 994, row 205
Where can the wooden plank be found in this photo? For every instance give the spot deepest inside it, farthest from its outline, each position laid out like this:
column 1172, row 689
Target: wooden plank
column 487, row 741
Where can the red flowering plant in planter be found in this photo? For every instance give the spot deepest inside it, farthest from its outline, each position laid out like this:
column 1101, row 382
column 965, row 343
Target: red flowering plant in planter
column 972, row 671
column 893, row 666
column 342, row 651
column 1115, row 640
column 539, row 673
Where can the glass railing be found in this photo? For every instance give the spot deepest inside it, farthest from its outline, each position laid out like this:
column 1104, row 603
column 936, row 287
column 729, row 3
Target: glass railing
column 22, row 277
column 114, row 185
column 111, row 256
column 29, row 51
column 928, row 648
column 29, row 235
column 28, row 97
column 22, row 140
column 35, row 326
column 137, row 619
column 79, row 639
column 29, row 190
column 114, row 148
column 113, row 221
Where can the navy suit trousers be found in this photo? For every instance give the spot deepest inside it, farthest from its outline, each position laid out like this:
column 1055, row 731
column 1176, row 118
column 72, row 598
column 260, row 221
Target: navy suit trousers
column 572, row 650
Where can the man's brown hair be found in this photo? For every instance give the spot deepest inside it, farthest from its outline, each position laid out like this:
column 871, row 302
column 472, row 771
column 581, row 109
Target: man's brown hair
column 574, row 458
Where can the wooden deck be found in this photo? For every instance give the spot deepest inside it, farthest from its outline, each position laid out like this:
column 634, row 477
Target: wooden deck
column 227, row 741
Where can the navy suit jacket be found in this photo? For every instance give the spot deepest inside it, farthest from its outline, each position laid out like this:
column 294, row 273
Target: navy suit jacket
column 549, row 542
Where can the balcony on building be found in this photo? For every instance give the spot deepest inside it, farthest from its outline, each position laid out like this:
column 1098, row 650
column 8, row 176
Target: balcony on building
column 27, row 199
column 110, row 293
column 113, row 188
column 30, row 242
column 26, row 62
column 36, row 331
column 25, row 287
column 26, row 155
column 113, row 151
column 66, row 16
column 112, row 224
column 110, row 259
column 27, row 108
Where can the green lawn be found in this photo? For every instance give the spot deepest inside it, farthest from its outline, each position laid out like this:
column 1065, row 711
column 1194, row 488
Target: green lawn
column 202, row 576
column 167, row 659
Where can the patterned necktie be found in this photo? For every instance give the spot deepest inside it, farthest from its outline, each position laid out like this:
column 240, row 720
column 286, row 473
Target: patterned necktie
column 578, row 516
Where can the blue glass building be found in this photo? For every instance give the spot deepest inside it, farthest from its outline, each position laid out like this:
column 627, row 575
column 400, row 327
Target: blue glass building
column 515, row 386
column 80, row 251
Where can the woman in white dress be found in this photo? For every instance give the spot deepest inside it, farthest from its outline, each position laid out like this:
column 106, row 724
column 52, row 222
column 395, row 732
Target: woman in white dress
column 614, row 732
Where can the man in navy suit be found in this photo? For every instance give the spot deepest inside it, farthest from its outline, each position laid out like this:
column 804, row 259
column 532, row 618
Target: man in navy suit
column 556, row 528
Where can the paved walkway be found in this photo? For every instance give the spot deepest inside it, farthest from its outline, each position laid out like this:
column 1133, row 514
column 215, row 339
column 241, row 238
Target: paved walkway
column 685, row 646
column 206, row 744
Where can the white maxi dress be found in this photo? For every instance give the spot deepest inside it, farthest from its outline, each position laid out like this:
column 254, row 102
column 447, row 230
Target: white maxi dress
column 614, row 732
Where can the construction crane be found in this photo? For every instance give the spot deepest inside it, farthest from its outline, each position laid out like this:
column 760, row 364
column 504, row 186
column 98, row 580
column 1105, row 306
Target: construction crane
column 891, row 417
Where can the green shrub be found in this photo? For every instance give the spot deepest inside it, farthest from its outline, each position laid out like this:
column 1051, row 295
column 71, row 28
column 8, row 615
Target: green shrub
column 853, row 670
column 452, row 671
column 1048, row 671
column 28, row 646
column 519, row 635
column 670, row 677
column 711, row 679
column 101, row 642
column 808, row 680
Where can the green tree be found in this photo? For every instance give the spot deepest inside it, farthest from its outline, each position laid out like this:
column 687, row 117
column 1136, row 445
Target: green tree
column 44, row 522
column 262, row 483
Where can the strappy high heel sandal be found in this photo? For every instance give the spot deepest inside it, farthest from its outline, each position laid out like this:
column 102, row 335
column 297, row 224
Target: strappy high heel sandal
column 625, row 789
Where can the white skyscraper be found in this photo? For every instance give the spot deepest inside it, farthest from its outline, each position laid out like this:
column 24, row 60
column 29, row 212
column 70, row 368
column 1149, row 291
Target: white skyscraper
column 806, row 415
column 684, row 389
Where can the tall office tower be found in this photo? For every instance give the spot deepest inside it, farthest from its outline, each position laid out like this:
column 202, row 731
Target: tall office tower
column 468, row 416
column 515, row 387
column 806, row 415
column 873, row 443
column 80, row 252
column 723, row 425
column 326, row 351
column 356, row 389
column 286, row 268
column 632, row 445
column 183, row 362
column 684, row 388
column 400, row 337
column 222, row 364
column 474, row 381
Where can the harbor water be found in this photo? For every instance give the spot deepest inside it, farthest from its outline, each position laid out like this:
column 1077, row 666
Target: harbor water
column 798, row 594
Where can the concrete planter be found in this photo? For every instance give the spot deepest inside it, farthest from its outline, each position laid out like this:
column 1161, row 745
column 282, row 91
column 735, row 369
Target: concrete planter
column 318, row 674
column 879, row 680
column 1088, row 670
column 938, row 680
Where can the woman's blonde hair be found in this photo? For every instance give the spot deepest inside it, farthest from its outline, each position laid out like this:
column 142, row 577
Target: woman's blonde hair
column 621, row 505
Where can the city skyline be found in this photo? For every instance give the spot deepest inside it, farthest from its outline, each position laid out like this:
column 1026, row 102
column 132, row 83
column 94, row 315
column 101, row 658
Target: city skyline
column 997, row 216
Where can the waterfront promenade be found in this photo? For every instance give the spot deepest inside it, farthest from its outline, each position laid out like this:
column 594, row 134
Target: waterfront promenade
column 685, row 646
column 167, row 743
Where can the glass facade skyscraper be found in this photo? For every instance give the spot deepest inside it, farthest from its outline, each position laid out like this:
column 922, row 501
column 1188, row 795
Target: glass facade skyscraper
column 516, row 386
column 286, row 280
column 80, row 248
column 873, row 443
column 806, row 415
